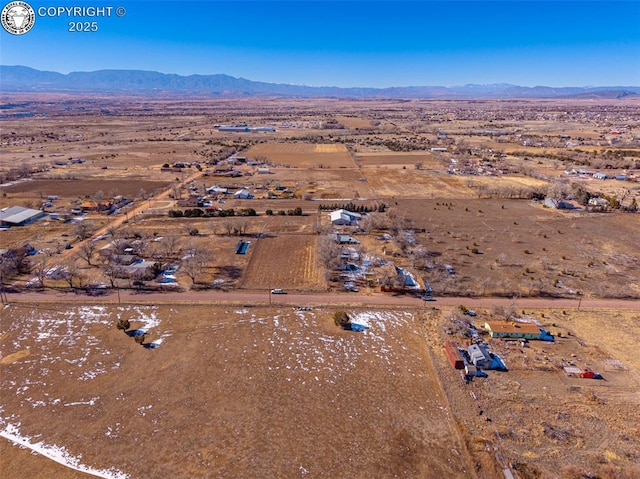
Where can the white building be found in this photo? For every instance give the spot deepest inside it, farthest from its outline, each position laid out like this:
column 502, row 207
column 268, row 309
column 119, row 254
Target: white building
column 242, row 194
column 344, row 217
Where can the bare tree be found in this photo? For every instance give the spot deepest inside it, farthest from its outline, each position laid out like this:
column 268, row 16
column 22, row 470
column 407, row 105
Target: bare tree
column 506, row 312
column 170, row 245
column 39, row 268
column 195, row 265
column 72, row 274
column 84, row 229
column 328, row 252
column 112, row 270
column 229, row 226
column 242, row 226
column 374, row 221
column 86, row 251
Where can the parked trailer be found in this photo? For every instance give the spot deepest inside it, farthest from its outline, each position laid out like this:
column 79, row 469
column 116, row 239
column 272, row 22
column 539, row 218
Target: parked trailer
column 453, row 353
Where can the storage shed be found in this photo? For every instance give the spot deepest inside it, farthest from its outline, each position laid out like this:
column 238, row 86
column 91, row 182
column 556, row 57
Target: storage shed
column 453, row 353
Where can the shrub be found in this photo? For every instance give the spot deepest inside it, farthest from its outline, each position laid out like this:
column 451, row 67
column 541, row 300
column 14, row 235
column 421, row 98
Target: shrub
column 341, row 318
column 475, row 251
column 123, row 324
column 269, row 212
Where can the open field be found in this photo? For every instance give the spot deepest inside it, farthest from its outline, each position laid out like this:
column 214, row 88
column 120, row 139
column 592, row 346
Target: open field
column 304, row 155
column 262, row 381
column 287, row 262
column 244, row 385
column 271, row 379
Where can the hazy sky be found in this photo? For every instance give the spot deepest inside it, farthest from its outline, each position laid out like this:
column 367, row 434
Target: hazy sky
column 348, row 43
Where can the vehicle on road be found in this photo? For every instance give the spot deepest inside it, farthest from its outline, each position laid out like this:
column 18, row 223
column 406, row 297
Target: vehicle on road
column 278, row 291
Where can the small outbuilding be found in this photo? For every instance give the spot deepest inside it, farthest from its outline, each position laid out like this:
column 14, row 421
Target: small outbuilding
column 479, row 357
column 242, row 194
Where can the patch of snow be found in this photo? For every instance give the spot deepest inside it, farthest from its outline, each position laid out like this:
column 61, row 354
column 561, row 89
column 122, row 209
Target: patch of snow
column 90, row 402
column 58, row 454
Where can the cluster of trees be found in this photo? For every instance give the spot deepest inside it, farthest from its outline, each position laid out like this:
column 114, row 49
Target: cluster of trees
column 199, row 213
column 22, row 171
column 13, row 262
column 351, row 206
column 297, row 211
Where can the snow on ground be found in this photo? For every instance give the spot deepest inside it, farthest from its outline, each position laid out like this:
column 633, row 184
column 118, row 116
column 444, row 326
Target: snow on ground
column 62, row 345
column 58, row 454
column 302, row 343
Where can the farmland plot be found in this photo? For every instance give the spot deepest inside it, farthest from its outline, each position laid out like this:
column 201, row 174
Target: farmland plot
column 304, row 154
column 410, row 183
column 284, row 262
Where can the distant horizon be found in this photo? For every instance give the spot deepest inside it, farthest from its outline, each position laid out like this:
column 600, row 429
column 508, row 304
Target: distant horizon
column 372, row 44
column 257, row 80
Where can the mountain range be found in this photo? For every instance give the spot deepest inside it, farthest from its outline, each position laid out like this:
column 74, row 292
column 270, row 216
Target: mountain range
column 25, row 79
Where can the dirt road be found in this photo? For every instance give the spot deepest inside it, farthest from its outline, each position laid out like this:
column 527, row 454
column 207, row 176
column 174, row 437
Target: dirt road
column 313, row 299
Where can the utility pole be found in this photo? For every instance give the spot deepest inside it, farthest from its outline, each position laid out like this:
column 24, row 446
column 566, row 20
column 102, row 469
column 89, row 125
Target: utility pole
column 579, row 299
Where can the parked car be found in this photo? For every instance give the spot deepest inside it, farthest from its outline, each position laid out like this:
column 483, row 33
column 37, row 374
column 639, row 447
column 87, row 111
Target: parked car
column 278, row 291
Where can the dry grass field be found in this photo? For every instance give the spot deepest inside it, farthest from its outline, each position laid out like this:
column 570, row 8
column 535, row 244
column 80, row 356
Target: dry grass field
column 226, row 393
column 524, row 248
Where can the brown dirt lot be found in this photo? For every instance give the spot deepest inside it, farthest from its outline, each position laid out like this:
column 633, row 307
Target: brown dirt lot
column 304, row 154
column 229, row 393
column 410, row 183
column 284, row 262
column 528, row 253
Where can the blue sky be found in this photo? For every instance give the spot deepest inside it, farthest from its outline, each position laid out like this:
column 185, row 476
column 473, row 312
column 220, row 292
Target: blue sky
column 348, row 43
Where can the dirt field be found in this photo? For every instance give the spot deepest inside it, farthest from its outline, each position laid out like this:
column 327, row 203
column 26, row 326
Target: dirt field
column 537, row 250
column 226, row 392
column 304, row 155
column 287, row 262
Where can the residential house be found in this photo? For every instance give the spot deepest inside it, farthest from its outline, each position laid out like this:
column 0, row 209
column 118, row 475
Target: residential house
column 344, row 217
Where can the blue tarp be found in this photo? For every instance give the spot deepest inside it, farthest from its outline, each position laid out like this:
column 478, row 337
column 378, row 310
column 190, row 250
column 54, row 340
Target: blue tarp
column 358, row 327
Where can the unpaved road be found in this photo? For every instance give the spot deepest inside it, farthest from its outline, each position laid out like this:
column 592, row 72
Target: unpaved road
column 312, row 299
